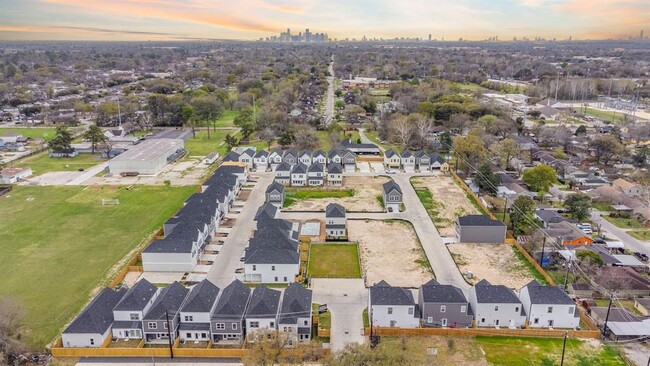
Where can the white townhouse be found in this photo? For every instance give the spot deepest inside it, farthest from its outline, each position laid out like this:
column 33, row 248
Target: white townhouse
column 390, row 306
column 548, row 307
column 496, row 306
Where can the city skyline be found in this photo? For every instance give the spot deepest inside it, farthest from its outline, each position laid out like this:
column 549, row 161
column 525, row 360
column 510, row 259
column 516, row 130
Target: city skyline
column 255, row 19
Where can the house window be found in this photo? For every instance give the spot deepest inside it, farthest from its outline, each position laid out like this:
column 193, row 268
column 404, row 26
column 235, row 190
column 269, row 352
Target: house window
column 306, row 322
column 165, row 325
column 410, row 311
column 276, row 279
column 189, row 318
column 390, row 310
column 92, row 341
column 272, row 268
column 134, row 316
column 463, row 309
column 188, row 335
column 497, row 322
column 234, row 326
column 220, row 326
column 272, row 324
column 536, row 321
column 254, row 325
column 443, row 308
column 571, row 311
column 254, row 267
column 517, row 309
column 482, row 320
column 550, row 309
column 496, row 307
column 152, row 325
column 430, row 319
column 285, row 279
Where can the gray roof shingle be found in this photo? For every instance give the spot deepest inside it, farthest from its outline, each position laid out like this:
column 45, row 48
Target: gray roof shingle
column 201, row 298
column 296, row 303
column 233, row 301
column 390, row 186
column 433, row 291
column 138, row 296
column 170, row 299
column 384, row 294
column 487, row 293
column 478, row 220
column 264, row 303
column 551, row 295
column 334, row 210
column 97, row 317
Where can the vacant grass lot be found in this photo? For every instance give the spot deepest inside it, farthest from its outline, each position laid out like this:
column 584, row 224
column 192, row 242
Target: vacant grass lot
column 43, row 163
column 294, row 195
column 60, row 243
column 226, row 119
column 610, row 116
column 46, row 133
column 624, row 223
column 640, row 235
column 334, row 261
column 432, row 206
column 506, row 351
column 202, row 146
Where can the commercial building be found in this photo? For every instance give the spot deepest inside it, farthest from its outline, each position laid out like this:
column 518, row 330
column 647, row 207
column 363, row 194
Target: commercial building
column 147, row 157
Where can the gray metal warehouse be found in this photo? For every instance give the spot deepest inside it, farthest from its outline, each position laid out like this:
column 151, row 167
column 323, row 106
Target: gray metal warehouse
column 147, row 157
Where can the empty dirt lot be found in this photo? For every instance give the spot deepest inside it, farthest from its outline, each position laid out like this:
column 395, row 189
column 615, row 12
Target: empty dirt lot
column 496, row 263
column 389, row 251
column 450, row 201
column 366, row 190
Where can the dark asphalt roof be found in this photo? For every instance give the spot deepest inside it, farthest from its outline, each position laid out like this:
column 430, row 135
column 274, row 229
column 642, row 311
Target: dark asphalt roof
column 385, row 294
column 271, row 255
column 334, row 210
column 138, row 296
column 296, row 303
column 390, row 153
column 170, row 299
column 551, row 295
column 435, row 157
column 486, row 293
column 479, row 220
column 261, row 153
column 433, row 291
column 390, row 186
column 194, row 326
column 97, row 317
column 264, row 303
column 275, row 186
column 283, row 167
column 231, row 156
column 266, row 211
column 406, row 154
column 233, row 301
column 201, row 298
column 335, row 168
column 316, row 167
column 299, row 168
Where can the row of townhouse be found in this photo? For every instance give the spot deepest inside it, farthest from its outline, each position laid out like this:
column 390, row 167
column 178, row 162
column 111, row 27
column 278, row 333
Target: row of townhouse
column 272, row 255
column 301, row 175
column 187, row 233
column 488, row 305
column 410, row 162
column 203, row 313
column 263, row 160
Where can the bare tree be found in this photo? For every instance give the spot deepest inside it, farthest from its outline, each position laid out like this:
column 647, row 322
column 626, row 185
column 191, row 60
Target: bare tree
column 401, row 130
column 423, row 127
column 305, row 138
column 11, row 325
column 267, row 135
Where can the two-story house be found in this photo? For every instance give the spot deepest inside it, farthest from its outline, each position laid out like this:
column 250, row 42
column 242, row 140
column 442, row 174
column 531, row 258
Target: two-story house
column 299, row 175
column 247, row 157
column 283, row 173
column 295, row 314
column 334, row 156
column 548, row 307
column 335, row 222
column 390, row 306
column 262, row 311
column 443, row 306
column 480, row 229
column 496, row 306
column 228, row 317
column 422, row 161
column 130, row 311
column 261, row 161
column 197, row 311
column 334, row 175
column 275, row 194
column 437, row 161
column 163, row 318
column 392, row 196
column 290, row 157
column 349, row 161
column 305, row 157
column 392, row 159
column 408, row 161
column 275, row 158
column 315, row 175
column 319, row 157
column 92, row 327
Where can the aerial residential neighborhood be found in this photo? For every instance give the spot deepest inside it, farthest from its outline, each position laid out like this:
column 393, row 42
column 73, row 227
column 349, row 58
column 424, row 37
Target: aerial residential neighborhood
column 423, row 184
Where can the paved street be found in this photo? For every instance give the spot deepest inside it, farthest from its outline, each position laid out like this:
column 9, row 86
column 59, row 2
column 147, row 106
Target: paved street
column 630, row 242
column 329, row 102
column 346, row 299
column 366, row 140
column 89, row 173
column 223, row 270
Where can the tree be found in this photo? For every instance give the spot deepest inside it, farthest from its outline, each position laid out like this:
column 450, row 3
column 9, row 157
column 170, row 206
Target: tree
column 187, row 115
column 540, row 178
column 506, row 150
column 605, row 147
column 488, row 120
column 245, row 122
column 640, row 157
column 469, row 151
column 305, row 139
column 445, row 140
column 395, row 351
column 61, row 143
column 267, row 135
column 486, row 179
column 207, row 108
column 519, row 124
column 286, row 138
column 277, row 348
column 95, row 135
column 231, row 141
column 501, row 127
column 578, row 205
column 522, row 214
column 581, row 130
column 12, row 316
column 401, row 130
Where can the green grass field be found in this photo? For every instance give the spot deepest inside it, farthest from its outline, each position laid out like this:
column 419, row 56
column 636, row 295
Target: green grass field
column 34, row 132
column 374, row 137
column 472, row 87
column 59, row 243
column 507, row 351
column 624, row 223
column 293, row 195
column 426, row 198
column 43, row 163
column 325, row 319
column 640, row 235
column 202, row 146
column 226, row 119
column 609, row 116
column 334, row 261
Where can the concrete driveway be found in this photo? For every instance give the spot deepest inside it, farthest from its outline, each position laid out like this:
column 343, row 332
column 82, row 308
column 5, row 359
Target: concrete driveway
column 346, row 299
column 222, row 271
column 89, row 173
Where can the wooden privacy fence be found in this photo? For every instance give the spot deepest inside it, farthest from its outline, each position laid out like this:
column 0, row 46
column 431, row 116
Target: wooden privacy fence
column 323, row 333
column 371, row 158
column 472, row 194
column 473, row 332
column 532, row 261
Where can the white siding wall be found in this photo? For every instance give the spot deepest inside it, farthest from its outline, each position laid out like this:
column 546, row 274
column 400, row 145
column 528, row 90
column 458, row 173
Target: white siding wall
column 168, row 262
column 264, row 273
column 196, row 317
column 264, row 323
column 400, row 314
column 83, row 339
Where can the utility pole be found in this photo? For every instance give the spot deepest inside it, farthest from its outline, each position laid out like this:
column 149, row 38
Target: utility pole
column 609, row 307
column 563, row 348
column 169, row 335
column 505, row 209
column 566, row 276
column 541, row 260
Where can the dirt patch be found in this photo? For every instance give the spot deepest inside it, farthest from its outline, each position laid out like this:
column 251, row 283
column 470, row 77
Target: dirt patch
column 181, row 173
column 449, row 200
column 366, row 190
column 390, row 251
column 496, row 263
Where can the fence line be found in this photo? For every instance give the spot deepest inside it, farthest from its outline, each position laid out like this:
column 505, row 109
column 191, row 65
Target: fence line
column 472, row 332
column 533, row 262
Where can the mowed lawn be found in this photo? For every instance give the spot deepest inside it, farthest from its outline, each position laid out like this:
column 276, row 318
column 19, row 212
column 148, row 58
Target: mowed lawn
column 226, row 119
column 507, row 351
column 296, row 194
column 46, row 133
column 43, row 163
column 60, row 243
column 334, row 261
column 201, row 145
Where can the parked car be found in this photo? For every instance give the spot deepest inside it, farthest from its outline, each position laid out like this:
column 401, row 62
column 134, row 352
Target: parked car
column 599, row 241
column 391, row 171
column 641, row 256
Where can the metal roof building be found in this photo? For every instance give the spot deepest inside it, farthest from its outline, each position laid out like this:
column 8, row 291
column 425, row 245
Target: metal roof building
column 147, row 157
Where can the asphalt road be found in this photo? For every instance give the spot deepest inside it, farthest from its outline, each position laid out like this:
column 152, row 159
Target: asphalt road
column 329, row 103
column 630, row 242
column 222, row 271
column 366, row 140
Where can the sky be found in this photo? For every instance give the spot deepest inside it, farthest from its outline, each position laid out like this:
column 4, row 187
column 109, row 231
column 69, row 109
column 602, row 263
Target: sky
column 140, row 20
